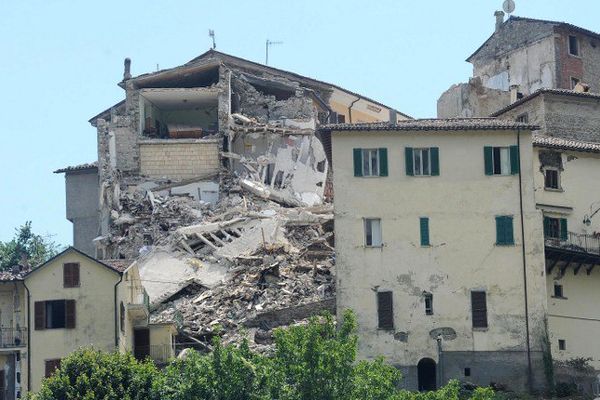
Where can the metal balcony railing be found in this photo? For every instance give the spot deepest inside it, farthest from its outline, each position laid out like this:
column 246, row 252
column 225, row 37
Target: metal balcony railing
column 12, row 337
column 159, row 353
column 576, row 242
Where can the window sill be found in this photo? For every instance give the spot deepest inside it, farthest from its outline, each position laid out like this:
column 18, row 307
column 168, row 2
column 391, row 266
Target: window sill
column 426, row 246
column 373, row 247
column 505, row 245
column 480, row 329
column 560, row 297
column 553, row 189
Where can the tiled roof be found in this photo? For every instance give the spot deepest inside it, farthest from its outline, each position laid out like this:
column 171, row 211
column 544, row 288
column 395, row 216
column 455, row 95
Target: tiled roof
column 79, row 167
column 561, row 92
column 13, row 274
column 118, row 265
column 434, row 124
column 565, row 144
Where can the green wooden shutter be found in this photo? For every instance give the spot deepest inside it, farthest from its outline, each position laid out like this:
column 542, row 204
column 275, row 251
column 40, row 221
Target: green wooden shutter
column 383, row 162
column 408, row 156
column 487, row 157
column 385, row 310
column 514, row 160
column 564, row 232
column 434, row 153
column 358, row 162
column 499, row 230
column 424, row 223
column 546, row 227
column 508, row 230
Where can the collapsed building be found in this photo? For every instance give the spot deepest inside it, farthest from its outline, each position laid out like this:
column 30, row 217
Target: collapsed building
column 214, row 178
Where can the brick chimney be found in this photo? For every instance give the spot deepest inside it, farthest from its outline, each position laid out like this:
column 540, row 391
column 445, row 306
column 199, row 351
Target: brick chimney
column 127, row 69
column 499, row 19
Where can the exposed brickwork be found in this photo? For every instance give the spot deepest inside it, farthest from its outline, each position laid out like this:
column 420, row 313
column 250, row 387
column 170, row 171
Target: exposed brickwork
column 567, row 65
column 178, row 159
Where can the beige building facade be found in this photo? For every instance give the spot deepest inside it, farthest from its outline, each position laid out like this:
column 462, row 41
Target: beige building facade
column 439, row 249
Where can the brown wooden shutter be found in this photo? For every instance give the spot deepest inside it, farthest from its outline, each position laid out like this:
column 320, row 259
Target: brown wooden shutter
column 40, row 315
column 479, row 309
column 51, row 366
column 385, row 310
column 75, row 274
column 71, row 275
column 70, row 314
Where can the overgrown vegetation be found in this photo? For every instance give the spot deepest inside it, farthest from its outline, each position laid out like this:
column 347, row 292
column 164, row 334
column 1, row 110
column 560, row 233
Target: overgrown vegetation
column 316, row 361
column 26, row 246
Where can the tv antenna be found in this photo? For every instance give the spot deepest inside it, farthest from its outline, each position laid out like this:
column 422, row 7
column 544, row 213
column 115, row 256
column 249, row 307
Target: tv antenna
column 508, row 6
column 211, row 34
column 269, row 44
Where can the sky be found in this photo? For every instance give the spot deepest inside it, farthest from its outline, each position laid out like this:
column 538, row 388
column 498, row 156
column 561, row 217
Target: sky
column 60, row 62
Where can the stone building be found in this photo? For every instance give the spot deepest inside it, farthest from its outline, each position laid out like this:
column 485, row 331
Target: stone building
column 522, row 56
column 441, row 255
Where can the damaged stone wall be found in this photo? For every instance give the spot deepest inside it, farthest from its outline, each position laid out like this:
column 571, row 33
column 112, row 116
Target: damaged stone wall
column 470, row 100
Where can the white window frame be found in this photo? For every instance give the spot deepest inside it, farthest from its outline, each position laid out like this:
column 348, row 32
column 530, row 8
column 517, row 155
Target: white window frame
column 558, row 186
column 503, row 163
column 418, row 165
column 375, row 239
column 367, row 167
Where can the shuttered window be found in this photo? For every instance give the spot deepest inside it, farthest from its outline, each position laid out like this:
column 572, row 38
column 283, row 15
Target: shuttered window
column 504, row 230
column 479, row 309
column 385, row 310
column 50, row 367
column 501, row 160
column 71, row 275
column 55, row 314
column 556, row 228
column 370, row 162
column 424, row 225
column 422, row 161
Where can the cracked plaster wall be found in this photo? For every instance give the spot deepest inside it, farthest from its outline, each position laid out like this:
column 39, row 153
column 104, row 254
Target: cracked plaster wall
column 461, row 204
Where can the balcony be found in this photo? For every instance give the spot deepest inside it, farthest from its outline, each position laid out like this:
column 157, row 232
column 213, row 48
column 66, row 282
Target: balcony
column 578, row 250
column 138, row 305
column 11, row 338
column 159, row 353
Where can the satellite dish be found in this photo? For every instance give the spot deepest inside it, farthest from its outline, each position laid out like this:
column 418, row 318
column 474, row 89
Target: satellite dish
column 508, row 6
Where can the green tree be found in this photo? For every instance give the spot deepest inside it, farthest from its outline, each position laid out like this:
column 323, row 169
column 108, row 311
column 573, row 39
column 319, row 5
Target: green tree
column 35, row 248
column 89, row 374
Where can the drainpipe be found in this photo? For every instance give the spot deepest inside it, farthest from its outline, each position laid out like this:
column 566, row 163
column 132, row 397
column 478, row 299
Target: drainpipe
column 28, row 338
column 440, row 362
column 350, row 110
column 116, row 314
column 527, row 334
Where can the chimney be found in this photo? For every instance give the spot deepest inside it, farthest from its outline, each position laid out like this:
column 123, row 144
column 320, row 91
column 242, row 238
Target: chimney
column 514, row 93
column 499, row 19
column 127, row 71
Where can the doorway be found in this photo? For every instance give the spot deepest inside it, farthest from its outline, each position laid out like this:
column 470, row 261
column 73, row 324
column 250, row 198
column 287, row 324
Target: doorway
column 141, row 343
column 427, row 375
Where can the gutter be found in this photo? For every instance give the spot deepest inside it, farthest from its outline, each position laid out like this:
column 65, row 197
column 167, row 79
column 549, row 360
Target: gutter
column 116, row 313
column 28, row 337
column 527, row 334
column 350, row 109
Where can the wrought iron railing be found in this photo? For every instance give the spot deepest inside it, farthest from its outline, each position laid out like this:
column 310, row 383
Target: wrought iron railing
column 159, row 353
column 12, row 337
column 576, row 242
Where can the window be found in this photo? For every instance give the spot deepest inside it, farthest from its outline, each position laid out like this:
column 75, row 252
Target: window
column 71, row 275
column 562, row 344
column 385, row 310
column 122, row 316
column 573, row 45
column 524, row 118
column 370, row 162
column 467, row 371
column 54, row 314
column 341, row 119
column 551, row 179
column 558, row 290
column 479, row 309
column 424, row 225
column 422, row 161
column 51, row 366
column 574, row 82
column 373, row 232
column 555, row 228
column 428, row 303
column 501, row 160
column 504, row 230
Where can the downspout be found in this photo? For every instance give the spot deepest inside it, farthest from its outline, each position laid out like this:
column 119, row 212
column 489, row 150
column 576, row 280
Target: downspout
column 116, row 314
column 529, row 370
column 28, row 338
column 350, row 110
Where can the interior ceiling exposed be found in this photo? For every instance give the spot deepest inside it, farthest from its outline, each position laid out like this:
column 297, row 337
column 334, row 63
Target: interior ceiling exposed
column 191, row 77
column 170, row 99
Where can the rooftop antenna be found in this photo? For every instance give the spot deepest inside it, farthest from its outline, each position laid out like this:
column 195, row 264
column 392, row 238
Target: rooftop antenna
column 508, row 6
column 269, row 44
column 211, row 34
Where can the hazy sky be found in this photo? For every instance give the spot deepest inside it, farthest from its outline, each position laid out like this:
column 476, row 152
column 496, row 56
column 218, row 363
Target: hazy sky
column 61, row 60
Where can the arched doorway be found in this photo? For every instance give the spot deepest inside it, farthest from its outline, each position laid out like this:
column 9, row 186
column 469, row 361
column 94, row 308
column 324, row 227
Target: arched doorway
column 426, row 374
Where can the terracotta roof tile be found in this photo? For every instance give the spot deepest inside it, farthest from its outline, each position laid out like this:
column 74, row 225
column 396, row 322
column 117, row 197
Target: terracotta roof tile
column 565, row 144
column 563, row 92
column 434, row 124
column 79, row 167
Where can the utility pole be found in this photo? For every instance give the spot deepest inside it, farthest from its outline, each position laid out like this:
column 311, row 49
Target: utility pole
column 269, row 44
column 211, row 34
